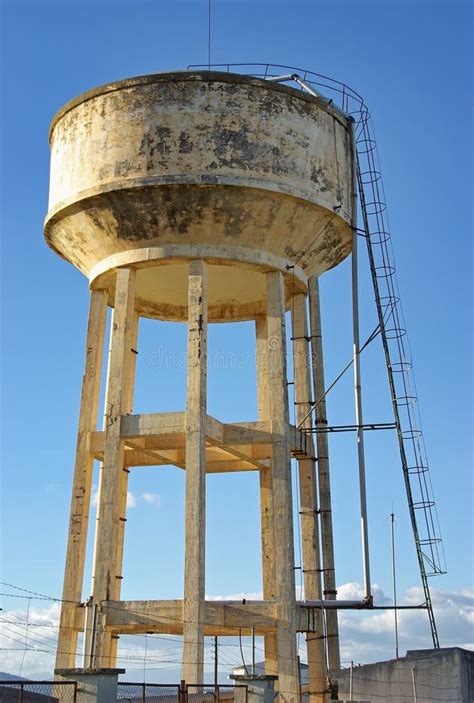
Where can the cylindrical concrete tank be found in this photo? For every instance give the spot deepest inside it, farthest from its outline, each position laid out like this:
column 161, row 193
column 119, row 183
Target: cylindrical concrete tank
column 153, row 171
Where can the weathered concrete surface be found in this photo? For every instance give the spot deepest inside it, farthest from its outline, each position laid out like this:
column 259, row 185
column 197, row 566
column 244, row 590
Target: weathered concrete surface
column 426, row 676
column 200, row 158
column 93, row 685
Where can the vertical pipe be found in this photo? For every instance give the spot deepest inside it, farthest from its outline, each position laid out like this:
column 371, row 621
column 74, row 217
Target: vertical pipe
column 357, row 380
column 82, row 482
column 195, row 499
column 413, row 680
column 351, row 682
column 317, row 675
column 216, row 665
column 253, row 651
column 394, row 578
column 324, row 479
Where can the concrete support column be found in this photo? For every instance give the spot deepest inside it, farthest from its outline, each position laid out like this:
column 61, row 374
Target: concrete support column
column 327, row 542
column 288, row 677
column 266, row 502
column 81, row 489
column 308, row 499
column 194, row 570
column 105, row 569
column 127, row 410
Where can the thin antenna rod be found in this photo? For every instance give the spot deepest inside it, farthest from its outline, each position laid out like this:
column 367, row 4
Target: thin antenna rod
column 209, row 35
column 395, row 614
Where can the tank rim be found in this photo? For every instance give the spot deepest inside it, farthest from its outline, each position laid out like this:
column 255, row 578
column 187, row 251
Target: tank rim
column 216, row 76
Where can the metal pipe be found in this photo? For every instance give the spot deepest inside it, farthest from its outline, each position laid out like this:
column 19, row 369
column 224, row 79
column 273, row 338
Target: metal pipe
column 414, row 685
column 351, row 682
column 365, row 604
column 93, row 633
column 216, row 664
column 308, row 88
column 87, row 633
column 253, row 650
column 357, row 380
column 394, row 583
column 279, row 79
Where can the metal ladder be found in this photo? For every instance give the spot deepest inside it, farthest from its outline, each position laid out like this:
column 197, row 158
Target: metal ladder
column 421, row 504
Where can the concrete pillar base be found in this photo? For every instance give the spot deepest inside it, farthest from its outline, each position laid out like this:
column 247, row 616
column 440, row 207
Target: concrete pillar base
column 261, row 687
column 93, row 685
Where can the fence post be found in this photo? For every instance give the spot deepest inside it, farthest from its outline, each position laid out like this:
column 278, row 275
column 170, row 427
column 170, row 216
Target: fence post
column 182, row 691
column 143, row 693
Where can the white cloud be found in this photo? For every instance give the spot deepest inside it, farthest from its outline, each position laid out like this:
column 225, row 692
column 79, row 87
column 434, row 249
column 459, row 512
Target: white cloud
column 152, row 499
column 131, row 500
column 237, row 596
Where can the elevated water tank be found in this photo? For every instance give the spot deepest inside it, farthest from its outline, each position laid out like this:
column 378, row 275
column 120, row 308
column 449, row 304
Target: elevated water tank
column 153, row 171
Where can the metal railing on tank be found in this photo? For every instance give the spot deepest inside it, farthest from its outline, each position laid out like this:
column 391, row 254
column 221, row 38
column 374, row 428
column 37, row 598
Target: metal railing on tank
column 391, row 326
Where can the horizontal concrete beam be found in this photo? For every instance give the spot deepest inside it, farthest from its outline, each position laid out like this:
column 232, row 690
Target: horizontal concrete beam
column 220, row 617
column 157, row 439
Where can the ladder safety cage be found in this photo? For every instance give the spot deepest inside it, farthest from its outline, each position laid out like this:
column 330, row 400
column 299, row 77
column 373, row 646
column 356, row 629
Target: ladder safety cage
column 376, row 231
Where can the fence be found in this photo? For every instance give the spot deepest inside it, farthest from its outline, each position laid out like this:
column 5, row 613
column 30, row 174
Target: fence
column 149, row 693
column 215, row 694
column 38, row 691
column 66, row 692
column 185, row 693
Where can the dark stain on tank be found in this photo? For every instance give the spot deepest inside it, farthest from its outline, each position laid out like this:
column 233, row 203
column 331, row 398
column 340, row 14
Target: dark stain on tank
column 319, row 177
column 185, row 144
column 155, row 141
column 234, row 149
column 123, row 168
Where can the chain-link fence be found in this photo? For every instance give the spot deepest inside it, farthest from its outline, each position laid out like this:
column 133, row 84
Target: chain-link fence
column 148, row 693
column 215, row 694
column 38, row 692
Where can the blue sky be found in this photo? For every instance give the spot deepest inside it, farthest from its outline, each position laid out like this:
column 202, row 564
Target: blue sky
column 412, row 61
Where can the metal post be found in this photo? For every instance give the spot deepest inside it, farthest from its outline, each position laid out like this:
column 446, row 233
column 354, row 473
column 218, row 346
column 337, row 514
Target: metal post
column 299, row 678
column 395, row 615
column 253, row 651
column 216, row 664
column 143, row 693
column 414, row 685
column 93, row 634
column 351, row 682
column 357, row 382
column 87, row 631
